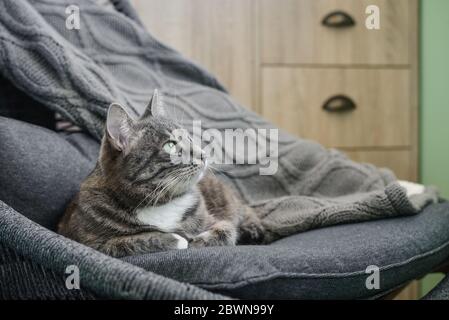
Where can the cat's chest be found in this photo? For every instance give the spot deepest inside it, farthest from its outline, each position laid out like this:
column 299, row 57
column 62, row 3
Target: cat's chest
column 167, row 217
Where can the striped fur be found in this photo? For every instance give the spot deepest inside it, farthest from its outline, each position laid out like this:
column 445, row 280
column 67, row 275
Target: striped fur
column 139, row 199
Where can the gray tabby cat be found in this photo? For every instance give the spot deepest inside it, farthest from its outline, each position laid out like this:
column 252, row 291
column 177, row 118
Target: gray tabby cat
column 142, row 198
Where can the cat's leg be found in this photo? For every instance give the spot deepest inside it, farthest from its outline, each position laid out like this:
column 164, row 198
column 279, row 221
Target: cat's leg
column 142, row 243
column 222, row 233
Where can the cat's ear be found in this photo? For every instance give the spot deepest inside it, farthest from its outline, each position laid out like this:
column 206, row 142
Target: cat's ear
column 155, row 106
column 119, row 126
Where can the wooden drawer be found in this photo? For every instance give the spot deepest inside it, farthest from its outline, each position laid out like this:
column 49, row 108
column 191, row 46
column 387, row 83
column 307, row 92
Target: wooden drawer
column 292, row 32
column 293, row 98
column 399, row 161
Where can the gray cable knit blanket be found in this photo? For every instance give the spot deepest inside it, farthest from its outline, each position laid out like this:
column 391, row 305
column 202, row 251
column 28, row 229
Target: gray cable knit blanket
column 78, row 73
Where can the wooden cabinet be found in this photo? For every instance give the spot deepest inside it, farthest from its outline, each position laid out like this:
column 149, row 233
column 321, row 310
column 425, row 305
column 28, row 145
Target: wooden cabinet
column 339, row 107
column 292, row 31
column 351, row 88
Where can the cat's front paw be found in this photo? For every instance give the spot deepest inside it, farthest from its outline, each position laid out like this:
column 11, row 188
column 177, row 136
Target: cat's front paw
column 213, row 237
column 182, row 243
column 200, row 240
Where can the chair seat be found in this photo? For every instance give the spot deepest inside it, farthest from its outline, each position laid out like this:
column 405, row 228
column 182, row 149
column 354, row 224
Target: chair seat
column 329, row 263
column 320, row 264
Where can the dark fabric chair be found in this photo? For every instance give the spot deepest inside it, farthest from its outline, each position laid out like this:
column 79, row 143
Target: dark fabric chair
column 40, row 170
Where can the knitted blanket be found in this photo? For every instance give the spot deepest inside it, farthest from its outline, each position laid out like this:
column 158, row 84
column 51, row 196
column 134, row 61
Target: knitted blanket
column 111, row 57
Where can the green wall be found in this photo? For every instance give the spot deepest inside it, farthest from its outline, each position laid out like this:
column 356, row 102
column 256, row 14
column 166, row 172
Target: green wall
column 435, row 94
column 434, row 154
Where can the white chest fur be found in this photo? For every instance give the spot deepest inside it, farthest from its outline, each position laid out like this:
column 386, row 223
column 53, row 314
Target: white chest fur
column 166, row 217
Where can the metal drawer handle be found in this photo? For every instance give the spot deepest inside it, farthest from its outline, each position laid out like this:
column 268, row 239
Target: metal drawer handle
column 339, row 103
column 338, row 19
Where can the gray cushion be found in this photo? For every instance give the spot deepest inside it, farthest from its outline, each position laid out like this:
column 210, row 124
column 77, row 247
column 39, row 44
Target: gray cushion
column 328, row 263
column 40, row 171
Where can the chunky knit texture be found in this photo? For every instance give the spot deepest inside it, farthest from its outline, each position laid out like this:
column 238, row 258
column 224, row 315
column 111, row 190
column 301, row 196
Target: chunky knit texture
column 78, row 73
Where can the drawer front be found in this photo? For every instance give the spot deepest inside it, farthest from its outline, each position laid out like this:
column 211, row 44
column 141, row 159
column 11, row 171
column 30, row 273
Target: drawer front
column 316, row 104
column 399, row 161
column 292, row 32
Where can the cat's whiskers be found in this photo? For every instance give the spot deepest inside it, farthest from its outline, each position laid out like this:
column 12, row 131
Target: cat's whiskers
column 161, row 186
column 180, row 179
column 176, row 181
column 167, row 187
column 156, row 189
column 147, row 196
column 213, row 169
column 172, row 180
column 184, row 178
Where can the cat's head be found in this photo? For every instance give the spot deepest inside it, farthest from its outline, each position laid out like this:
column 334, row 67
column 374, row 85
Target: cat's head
column 151, row 157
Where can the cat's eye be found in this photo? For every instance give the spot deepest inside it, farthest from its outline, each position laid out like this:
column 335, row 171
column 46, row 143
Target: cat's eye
column 170, row 147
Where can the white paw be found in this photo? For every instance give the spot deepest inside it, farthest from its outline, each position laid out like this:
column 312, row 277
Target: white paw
column 412, row 188
column 182, row 243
